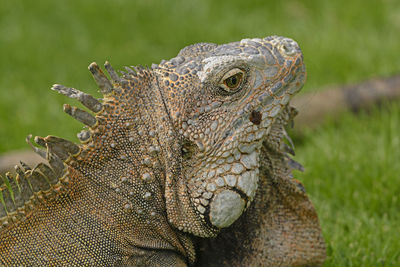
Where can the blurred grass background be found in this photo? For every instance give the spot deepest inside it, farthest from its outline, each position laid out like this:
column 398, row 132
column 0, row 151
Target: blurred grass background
column 352, row 165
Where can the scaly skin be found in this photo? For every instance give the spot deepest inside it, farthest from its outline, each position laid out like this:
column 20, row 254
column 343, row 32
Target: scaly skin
column 173, row 153
column 280, row 228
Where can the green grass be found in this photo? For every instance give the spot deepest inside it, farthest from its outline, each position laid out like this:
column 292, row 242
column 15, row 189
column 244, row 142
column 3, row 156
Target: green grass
column 352, row 167
column 352, row 175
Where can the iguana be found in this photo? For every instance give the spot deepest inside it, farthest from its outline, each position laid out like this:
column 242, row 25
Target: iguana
column 173, row 156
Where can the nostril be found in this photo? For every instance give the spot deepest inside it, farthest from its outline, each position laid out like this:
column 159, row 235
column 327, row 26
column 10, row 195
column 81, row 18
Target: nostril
column 288, row 48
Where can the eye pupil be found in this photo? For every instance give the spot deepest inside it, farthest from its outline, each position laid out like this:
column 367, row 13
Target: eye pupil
column 233, row 82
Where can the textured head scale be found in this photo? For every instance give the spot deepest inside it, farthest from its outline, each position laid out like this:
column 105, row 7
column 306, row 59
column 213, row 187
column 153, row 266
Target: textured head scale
column 222, row 101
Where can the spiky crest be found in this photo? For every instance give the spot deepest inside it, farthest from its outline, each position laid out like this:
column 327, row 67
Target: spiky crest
column 19, row 194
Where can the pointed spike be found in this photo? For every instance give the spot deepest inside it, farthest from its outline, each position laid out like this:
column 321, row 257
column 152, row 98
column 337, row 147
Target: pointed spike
column 7, row 183
column 292, row 114
column 25, row 188
column 8, row 195
column 84, row 136
column 13, row 183
column 138, row 68
column 25, row 166
column 124, row 74
column 38, row 181
column 87, row 100
column 3, row 210
column 294, row 164
column 67, row 145
column 114, row 76
column 287, row 137
column 19, row 171
column 42, row 153
column 56, row 164
column 27, row 176
column 291, row 124
column 287, row 149
column 39, row 141
column 299, row 185
column 131, row 71
column 47, row 172
column 61, row 147
column 62, row 154
column 80, row 115
column 101, row 79
column 16, row 190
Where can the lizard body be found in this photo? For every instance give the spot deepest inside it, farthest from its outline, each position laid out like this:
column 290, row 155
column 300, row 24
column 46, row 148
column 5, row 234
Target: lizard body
column 172, row 155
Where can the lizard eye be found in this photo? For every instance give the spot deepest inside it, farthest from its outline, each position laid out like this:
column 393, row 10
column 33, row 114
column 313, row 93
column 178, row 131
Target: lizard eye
column 232, row 80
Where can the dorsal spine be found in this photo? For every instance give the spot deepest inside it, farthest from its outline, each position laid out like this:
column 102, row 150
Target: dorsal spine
column 20, row 193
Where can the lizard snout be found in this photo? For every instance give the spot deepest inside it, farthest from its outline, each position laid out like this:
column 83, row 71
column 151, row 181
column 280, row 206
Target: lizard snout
column 288, row 47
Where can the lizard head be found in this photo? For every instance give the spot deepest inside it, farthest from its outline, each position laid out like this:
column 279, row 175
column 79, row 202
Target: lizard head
column 223, row 101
